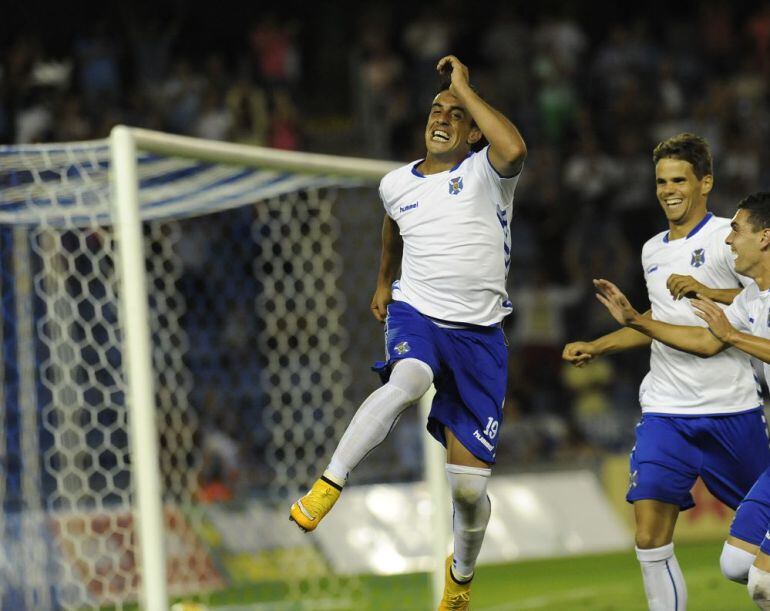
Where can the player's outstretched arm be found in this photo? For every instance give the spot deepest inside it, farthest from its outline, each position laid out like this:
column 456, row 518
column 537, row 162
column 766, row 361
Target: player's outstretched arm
column 507, row 150
column 580, row 353
column 390, row 262
column 720, row 326
column 687, row 286
column 695, row 340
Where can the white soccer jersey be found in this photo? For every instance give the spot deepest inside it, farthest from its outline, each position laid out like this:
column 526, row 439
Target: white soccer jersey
column 457, row 244
column 680, row 383
column 750, row 313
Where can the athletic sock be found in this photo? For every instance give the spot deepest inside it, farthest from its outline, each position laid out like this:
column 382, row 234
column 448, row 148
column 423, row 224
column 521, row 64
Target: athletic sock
column 377, row 415
column 663, row 581
column 472, row 509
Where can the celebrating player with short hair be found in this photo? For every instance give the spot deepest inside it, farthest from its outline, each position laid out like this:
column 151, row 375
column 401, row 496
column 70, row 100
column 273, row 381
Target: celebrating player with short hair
column 744, row 325
column 446, row 225
column 700, row 417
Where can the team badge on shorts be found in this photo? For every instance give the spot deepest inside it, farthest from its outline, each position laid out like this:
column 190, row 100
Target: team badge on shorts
column 402, row 348
column 455, row 185
column 698, row 257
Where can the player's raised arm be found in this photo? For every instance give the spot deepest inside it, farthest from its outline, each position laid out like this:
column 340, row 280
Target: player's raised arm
column 390, row 262
column 695, row 340
column 507, row 150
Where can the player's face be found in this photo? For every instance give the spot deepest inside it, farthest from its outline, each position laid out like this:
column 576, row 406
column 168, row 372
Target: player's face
column 449, row 130
column 681, row 195
column 746, row 243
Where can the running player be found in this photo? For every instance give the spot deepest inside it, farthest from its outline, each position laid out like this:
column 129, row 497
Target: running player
column 700, row 417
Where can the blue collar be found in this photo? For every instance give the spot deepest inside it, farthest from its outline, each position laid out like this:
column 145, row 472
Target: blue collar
column 419, row 174
column 695, row 229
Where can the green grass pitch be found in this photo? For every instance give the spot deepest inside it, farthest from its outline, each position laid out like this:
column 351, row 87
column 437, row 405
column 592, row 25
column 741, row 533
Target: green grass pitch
column 609, row 582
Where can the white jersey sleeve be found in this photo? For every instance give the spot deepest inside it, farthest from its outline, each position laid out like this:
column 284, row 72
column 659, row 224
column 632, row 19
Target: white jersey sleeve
column 680, row 383
column 738, row 313
column 455, row 226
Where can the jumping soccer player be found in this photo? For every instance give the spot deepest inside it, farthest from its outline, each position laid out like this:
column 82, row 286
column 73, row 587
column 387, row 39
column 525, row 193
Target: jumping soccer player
column 447, row 226
column 700, row 417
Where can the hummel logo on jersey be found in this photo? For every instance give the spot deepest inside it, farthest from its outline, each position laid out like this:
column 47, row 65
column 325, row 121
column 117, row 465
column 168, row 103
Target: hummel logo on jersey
column 408, row 207
column 455, row 185
column 698, row 257
column 402, row 348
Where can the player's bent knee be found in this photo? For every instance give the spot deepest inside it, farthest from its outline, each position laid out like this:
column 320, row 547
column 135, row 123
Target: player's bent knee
column 651, row 540
column 467, row 484
column 735, row 563
column 413, row 377
column 759, row 587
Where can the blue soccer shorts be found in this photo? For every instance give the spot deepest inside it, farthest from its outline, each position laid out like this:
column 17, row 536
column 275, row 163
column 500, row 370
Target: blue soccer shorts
column 752, row 520
column 470, row 368
column 728, row 452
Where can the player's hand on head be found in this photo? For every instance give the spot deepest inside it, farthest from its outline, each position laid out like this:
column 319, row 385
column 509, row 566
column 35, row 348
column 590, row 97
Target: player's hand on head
column 714, row 316
column 452, row 67
column 683, row 286
column 578, row 353
column 615, row 301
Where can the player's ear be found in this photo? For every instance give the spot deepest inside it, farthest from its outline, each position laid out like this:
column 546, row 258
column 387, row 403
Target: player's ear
column 764, row 241
column 474, row 136
column 706, row 184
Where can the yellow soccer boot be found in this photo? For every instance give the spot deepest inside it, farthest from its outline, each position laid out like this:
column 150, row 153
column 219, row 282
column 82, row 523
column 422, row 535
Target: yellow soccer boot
column 308, row 511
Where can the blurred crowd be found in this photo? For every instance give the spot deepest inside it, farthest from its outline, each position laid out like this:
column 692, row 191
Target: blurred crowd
column 592, row 96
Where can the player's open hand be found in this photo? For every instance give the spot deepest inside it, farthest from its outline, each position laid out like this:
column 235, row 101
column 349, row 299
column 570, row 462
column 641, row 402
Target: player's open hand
column 379, row 306
column 683, row 286
column 457, row 71
column 615, row 301
column 715, row 318
column 578, row 353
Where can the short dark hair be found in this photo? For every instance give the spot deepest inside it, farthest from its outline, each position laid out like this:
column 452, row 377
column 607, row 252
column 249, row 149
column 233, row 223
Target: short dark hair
column 758, row 206
column 687, row 147
column 444, row 86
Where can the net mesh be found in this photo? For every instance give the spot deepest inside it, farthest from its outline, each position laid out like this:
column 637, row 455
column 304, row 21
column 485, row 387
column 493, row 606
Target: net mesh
column 253, row 376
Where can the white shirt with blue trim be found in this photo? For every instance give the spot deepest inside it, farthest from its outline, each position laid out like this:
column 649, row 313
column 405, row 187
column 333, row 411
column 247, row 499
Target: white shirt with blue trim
column 457, row 243
column 750, row 313
column 680, row 383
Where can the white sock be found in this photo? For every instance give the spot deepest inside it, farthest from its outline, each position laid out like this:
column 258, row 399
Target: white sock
column 472, row 509
column 663, row 580
column 375, row 418
column 735, row 563
column 759, row 587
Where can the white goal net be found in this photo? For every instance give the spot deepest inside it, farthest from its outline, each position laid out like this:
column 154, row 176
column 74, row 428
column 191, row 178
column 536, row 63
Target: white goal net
column 248, row 383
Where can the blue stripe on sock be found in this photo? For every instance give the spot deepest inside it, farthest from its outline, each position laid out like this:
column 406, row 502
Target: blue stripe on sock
column 673, row 584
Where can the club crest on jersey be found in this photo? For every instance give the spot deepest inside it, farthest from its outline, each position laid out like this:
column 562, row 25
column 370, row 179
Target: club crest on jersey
column 698, row 257
column 455, row 185
column 402, row 348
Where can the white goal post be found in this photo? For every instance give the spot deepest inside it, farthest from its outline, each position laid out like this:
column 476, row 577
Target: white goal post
column 124, row 143
column 94, row 274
